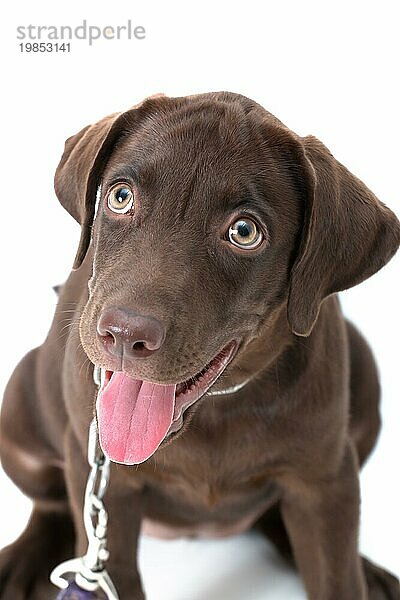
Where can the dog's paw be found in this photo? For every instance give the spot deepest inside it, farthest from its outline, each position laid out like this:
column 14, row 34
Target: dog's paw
column 21, row 577
column 26, row 564
column 382, row 585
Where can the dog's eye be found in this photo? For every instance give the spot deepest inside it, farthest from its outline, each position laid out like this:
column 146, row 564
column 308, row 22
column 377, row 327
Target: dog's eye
column 120, row 198
column 244, row 233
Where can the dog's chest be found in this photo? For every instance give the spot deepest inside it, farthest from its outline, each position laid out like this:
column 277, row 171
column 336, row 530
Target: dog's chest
column 212, row 507
column 206, row 493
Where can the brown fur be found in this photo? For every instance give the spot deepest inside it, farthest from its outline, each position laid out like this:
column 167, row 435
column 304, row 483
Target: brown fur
column 283, row 453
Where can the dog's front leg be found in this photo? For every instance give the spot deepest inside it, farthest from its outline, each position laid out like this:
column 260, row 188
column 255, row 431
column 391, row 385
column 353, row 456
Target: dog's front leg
column 321, row 515
column 123, row 504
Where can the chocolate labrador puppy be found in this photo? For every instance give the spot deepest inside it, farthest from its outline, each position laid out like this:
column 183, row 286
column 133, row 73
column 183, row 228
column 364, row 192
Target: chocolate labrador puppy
column 214, row 240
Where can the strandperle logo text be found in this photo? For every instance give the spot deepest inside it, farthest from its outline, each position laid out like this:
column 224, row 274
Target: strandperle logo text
column 84, row 31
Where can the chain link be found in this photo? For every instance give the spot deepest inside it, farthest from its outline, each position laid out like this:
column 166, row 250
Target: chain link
column 94, row 513
column 89, row 570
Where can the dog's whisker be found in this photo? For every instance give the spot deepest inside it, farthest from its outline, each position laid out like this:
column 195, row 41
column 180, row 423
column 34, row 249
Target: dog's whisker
column 67, row 319
column 84, row 364
column 67, row 325
column 66, row 329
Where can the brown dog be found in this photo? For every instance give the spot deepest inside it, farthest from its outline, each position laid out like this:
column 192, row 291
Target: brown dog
column 205, row 284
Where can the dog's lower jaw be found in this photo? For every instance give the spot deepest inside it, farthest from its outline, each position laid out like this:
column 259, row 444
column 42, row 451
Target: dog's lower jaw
column 179, row 416
column 176, row 428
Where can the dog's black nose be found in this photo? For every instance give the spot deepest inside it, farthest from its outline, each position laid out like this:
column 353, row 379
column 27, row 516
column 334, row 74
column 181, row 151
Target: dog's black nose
column 129, row 334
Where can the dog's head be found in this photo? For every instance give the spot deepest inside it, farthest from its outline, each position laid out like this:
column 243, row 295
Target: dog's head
column 213, row 219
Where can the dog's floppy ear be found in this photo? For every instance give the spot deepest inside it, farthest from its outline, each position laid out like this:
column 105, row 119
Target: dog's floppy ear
column 347, row 236
column 85, row 154
column 76, row 177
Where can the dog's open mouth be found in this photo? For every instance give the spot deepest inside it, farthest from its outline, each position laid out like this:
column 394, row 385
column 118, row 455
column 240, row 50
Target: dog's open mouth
column 135, row 415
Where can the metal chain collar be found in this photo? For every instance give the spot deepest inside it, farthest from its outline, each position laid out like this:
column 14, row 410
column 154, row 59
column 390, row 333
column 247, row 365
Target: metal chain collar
column 89, row 570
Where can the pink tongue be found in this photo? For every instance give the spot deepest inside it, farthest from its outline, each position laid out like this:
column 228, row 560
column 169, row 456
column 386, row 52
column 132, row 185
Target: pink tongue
column 134, row 417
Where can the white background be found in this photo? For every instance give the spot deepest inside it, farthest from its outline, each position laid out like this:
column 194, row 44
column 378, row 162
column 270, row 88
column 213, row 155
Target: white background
column 327, row 68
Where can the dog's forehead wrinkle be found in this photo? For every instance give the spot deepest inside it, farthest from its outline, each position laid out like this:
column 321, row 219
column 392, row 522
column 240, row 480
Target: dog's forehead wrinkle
column 198, row 131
